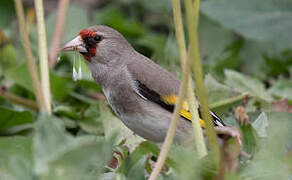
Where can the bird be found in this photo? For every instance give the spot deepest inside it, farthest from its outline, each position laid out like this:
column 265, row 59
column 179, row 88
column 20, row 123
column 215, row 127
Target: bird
column 142, row 93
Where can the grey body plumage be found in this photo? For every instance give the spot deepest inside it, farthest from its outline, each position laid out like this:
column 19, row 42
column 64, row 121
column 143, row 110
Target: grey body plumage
column 143, row 117
column 132, row 83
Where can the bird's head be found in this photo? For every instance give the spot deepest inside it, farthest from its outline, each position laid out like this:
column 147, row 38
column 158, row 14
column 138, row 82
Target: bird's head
column 98, row 44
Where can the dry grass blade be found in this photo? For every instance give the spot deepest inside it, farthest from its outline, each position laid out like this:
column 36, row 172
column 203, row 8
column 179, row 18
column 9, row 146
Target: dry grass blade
column 179, row 32
column 29, row 56
column 57, row 37
column 18, row 99
column 43, row 55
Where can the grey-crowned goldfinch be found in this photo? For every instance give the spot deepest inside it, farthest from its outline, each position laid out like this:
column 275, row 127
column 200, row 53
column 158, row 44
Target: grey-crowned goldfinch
column 141, row 93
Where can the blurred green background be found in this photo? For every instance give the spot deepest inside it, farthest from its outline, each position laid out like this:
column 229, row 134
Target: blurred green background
column 246, row 47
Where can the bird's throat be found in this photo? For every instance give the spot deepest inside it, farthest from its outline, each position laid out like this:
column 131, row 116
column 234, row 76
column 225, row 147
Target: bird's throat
column 86, row 56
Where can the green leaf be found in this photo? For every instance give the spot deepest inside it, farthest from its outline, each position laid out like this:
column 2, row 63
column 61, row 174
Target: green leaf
column 86, row 159
column 217, row 91
column 16, row 158
column 213, row 39
column 229, row 59
column 49, row 140
column 133, row 166
column 58, row 155
column 60, row 86
column 269, row 161
column 9, row 52
column 76, row 20
column 10, row 118
column 113, row 16
column 91, row 121
column 252, row 54
column 243, row 84
column 6, row 12
column 260, row 125
column 262, row 20
column 282, row 88
column 249, row 142
column 20, row 76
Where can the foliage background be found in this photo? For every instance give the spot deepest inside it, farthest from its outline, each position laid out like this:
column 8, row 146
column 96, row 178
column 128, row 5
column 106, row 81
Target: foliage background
column 246, row 47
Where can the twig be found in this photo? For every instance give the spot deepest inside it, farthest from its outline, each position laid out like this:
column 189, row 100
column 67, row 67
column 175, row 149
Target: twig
column 57, row 37
column 230, row 100
column 192, row 19
column 18, row 100
column 198, row 133
column 229, row 161
column 29, row 57
column 43, row 54
column 171, row 130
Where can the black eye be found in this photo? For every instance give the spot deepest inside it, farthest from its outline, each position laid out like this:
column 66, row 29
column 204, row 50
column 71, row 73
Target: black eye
column 97, row 38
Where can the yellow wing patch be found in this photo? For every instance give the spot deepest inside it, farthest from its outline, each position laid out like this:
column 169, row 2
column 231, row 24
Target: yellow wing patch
column 171, row 99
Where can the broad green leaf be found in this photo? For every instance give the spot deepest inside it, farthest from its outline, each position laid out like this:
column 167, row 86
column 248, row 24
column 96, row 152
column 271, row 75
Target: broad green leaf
column 60, row 86
column 262, row 20
column 268, row 162
column 282, row 88
column 6, row 12
column 49, row 141
column 154, row 6
column 229, row 59
column 213, row 40
column 217, row 91
column 85, row 159
column 249, row 141
column 58, row 155
column 243, row 84
column 10, row 118
column 252, row 54
column 114, row 17
column 133, row 166
column 20, row 76
column 260, row 125
column 91, row 121
column 76, row 20
column 10, row 60
column 184, row 163
column 16, row 158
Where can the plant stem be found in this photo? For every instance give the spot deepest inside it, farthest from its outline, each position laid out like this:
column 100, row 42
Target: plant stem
column 29, row 57
column 192, row 19
column 229, row 100
column 171, row 130
column 19, row 100
column 198, row 133
column 61, row 18
column 43, row 54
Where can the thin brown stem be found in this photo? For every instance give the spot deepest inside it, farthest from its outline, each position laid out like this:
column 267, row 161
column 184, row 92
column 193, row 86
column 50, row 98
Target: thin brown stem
column 57, row 37
column 43, row 54
column 172, row 128
column 192, row 14
column 230, row 100
column 29, row 57
column 19, row 100
column 179, row 32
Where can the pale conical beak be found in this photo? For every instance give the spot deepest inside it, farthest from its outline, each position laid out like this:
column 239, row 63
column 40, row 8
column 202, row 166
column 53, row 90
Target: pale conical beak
column 76, row 44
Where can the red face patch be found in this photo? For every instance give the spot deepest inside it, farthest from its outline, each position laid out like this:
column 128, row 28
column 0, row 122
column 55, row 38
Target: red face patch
column 85, row 33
